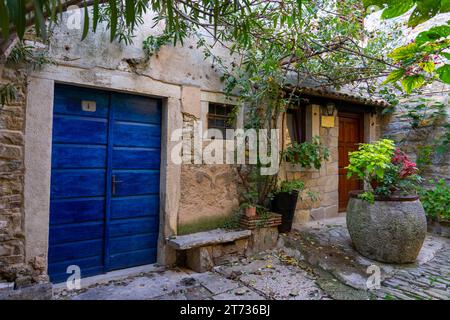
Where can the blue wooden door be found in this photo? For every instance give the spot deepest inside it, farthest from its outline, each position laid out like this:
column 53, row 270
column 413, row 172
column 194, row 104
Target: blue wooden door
column 104, row 203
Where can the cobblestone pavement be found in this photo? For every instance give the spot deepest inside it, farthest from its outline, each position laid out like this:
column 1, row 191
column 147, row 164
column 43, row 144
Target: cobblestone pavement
column 262, row 277
column 344, row 274
column 316, row 262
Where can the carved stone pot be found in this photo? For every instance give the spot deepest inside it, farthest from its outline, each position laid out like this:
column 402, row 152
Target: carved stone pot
column 390, row 230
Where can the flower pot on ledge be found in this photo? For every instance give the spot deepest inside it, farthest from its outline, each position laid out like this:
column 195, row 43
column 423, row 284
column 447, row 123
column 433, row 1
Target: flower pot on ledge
column 250, row 212
column 391, row 230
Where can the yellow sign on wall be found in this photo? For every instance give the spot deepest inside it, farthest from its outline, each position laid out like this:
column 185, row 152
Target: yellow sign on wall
column 328, row 121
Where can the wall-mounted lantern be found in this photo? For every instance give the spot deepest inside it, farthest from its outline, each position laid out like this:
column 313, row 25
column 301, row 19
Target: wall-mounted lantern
column 328, row 117
column 329, row 109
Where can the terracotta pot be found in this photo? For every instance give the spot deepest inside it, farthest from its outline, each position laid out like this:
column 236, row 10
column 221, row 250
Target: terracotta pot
column 250, row 212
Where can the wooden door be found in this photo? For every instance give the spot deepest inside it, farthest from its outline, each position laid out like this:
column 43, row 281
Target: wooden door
column 350, row 135
column 104, row 201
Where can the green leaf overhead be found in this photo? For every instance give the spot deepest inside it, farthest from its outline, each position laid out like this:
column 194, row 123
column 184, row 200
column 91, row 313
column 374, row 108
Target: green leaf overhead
column 86, row 22
column 17, row 15
column 425, row 10
column 394, row 76
column 4, row 20
column 397, row 8
column 445, row 6
column 404, row 52
column 95, row 16
column 410, row 83
column 444, row 73
column 113, row 18
column 433, row 34
column 129, row 12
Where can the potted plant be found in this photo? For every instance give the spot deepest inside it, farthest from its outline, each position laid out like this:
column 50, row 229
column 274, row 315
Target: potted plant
column 310, row 154
column 249, row 209
column 386, row 221
column 285, row 201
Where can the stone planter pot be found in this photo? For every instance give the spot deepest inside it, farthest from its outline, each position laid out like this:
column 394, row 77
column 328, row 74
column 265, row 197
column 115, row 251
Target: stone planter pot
column 391, row 230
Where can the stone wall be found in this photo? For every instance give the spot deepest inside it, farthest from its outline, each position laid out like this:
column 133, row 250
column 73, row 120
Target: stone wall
column 12, row 125
column 209, row 193
column 13, row 267
column 412, row 140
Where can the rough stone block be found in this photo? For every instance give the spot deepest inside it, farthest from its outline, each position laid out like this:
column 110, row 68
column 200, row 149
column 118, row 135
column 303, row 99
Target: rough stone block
column 332, row 168
column 200, row 259
column 190, row 101
column 331, row 211
column 262, row 239
column 317, row 214
column 332, row 183
column 330, row 198
column 301, row 217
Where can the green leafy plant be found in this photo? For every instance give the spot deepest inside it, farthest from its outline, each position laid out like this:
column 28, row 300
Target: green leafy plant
column 291, row 186
column 436, row 200
column 384, row 168
column 307, row 154
column 371, row 160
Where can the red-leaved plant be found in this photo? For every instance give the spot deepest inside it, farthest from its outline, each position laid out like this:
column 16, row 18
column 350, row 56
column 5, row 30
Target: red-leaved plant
column 406, row 167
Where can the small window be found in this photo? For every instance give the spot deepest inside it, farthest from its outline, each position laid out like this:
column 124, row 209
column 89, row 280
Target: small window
column 219, row 116
column 296, row 124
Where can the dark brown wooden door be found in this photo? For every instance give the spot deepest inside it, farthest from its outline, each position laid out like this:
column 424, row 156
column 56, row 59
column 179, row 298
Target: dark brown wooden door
column 350, row 134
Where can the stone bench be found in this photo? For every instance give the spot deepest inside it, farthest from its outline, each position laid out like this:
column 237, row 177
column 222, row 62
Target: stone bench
column 206, row 249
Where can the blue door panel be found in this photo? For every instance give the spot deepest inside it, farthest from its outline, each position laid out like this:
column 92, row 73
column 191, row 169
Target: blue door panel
column 73, row 106
column 133, row 258
column 136, row 182
column 76, row 232
column 78, row 156
column 78, row 183
column 134, row 207
column 60, row 268
column 128, row 134
column 136, row 158
column 70, row 129
column 85, row 272
column 68, row 100
column 133, row 243
column 120, row 228
column 136, row 109
column 93, row 225
column 65, row 211
column 75, row 251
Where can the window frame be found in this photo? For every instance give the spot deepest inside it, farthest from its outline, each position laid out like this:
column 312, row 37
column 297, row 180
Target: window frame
column 298, row 116
column 215, row 116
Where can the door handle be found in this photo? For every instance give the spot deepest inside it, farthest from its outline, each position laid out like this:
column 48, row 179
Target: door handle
column 114, row 182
